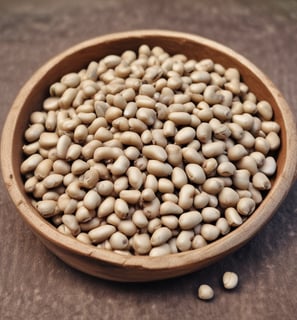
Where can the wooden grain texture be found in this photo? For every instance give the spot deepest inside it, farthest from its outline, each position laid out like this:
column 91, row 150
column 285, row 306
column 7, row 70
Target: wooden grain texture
column 33, row 283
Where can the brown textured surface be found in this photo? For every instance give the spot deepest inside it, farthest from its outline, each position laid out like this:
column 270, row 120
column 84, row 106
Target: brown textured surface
column 34, row 284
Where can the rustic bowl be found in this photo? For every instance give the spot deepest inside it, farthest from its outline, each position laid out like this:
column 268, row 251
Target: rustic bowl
column 110, row 265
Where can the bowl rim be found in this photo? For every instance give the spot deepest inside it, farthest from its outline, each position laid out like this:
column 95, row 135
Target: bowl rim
column 225, row 244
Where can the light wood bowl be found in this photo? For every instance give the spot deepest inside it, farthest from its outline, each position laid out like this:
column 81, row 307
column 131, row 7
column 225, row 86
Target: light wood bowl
column 106, row 264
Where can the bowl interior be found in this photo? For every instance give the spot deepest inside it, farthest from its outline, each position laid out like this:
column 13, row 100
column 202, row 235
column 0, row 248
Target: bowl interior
column 36, row 90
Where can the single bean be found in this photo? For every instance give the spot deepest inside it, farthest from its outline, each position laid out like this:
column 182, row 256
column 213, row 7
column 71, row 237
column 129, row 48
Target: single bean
column 101, row 233
column 195, row 173
column 159, row 169
column 160, row 236
column 184, row 240
column 233, row 217
column 186, row 196
column 210, row 232
column 169, row 207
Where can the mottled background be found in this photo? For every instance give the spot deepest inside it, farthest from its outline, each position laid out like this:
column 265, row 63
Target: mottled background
column 34, row 284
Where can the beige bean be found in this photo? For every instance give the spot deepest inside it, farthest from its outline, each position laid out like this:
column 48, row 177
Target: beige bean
column 195, row 173
column 265, row 110
column 119, row 241
column 106, row 207
column 127, row 227
column 71, row 223
column 83, row 214
column 179, row 177
column 120, row 184
column 33, row 132
column 228, row 197
column 210, row 214
column 67, row 98
column 89, row 225
column 57, row 89
column 158, row 168
column 161, row 250
column 226, row 169
column 147, row 194
column 198, row 242
column 262, row 145
column 256, row 194
column 135, row 177
column 143, row 101
column 261, row 182
column 169, row 207
column 160, row 236
column 63, row 144
column 201, row 200
column 236, row 130
column 213, row 185
column 180, row 118
column 186, row 196
column 90, row 178
column 222, row 112
column 205, row 292
column 101, row 233
column 269, row 166
column 230, row 280
column 213, row 149
column 92, row 200
column 169, row 128
column 152, row 209
column 191, row 155
column 47, row 208
column 245, row 120
column 53, row 180
column 48, row 140
column 140, row 219
column 113, row 219
column 31, row 163
column 31, row 148
column 131, row 138
column 165, row 185
column 241, row 179
column 233, row 217
column 79, row 167
column 274, row 140
column 105, row 187
column 130, row 196
column 159, row 138
column 84, row 237
column 184, row 240
column 43, row 169
column 236, row 152
column 151, row 182
column 154, row 152
column 174, row 153
column 170, row 221
column 210, row 232
column 184, row 135
column 74, row 190
column 246, row 206
column 106, row 153
column 248, row 163
column 142, row 243
column 189, row 220
column 223, row 225
column 204, row 132
column 147, row 116
column 71, row 80
column 137, row 126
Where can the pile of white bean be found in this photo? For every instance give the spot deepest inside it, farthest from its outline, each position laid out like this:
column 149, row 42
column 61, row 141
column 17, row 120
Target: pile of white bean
column 150, row 154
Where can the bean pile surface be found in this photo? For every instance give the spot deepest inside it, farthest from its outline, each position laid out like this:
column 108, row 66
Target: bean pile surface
column 148, row 153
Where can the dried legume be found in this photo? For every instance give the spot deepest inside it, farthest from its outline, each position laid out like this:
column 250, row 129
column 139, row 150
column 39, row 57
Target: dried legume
column 149, row 154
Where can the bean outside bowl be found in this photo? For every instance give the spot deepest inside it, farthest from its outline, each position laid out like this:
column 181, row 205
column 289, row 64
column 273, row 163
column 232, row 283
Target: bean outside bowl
column 106, row 264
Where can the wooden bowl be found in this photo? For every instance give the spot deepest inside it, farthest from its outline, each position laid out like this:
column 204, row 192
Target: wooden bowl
column 110, row 265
